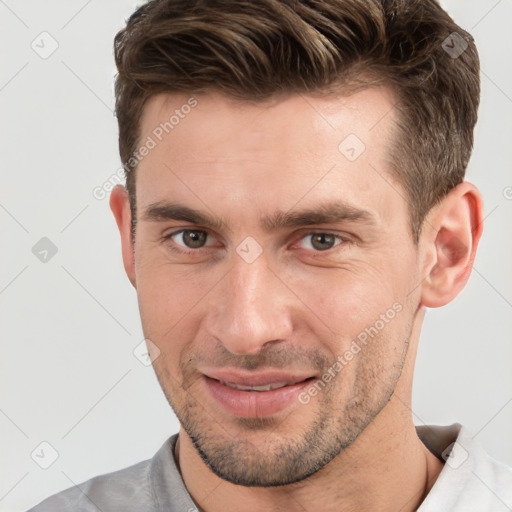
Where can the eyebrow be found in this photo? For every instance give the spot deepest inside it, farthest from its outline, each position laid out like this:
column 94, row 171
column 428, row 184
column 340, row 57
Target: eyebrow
column 163, row 210
column 328, row 213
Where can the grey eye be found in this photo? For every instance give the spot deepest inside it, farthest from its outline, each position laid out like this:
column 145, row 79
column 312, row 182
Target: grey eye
column 322, row 241
column 193, row 239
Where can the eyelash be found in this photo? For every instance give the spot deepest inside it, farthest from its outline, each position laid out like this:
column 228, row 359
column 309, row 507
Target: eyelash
column 179, row 249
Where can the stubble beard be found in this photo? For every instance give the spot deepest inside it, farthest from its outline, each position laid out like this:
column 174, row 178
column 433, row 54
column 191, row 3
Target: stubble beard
column 278, row 460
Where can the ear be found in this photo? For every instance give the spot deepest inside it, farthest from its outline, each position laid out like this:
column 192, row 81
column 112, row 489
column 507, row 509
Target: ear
column 450, row 238
column 120, row 206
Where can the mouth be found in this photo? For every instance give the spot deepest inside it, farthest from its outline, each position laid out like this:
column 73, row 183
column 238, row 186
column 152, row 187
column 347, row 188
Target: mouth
column 265, row 387
column 252, row 395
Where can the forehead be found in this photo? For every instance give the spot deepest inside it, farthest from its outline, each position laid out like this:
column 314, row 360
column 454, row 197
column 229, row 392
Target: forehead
column 277, row 153
column 296, row 118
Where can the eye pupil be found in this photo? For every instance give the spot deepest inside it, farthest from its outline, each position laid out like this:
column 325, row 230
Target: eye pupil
column 194, row 239
column 322, row 241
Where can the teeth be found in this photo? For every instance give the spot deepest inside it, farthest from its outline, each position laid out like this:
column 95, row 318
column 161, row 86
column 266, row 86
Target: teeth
column 267, row 387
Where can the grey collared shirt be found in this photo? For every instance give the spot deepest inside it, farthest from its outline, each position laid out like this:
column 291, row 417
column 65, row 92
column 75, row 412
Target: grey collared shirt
column 471, row 481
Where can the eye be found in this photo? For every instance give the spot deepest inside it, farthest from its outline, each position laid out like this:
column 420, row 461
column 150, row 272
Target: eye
column 190, row 238
column 320, row 241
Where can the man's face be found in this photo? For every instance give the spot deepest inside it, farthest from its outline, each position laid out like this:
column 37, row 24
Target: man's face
column 270, row 245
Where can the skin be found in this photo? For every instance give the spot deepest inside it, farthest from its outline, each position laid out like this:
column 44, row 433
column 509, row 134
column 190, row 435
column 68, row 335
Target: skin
column 353, row 446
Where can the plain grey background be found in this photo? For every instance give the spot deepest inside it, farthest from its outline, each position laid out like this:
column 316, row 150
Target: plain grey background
column 70, row 324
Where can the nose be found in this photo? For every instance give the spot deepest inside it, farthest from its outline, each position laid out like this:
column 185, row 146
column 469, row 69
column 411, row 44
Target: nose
column 251, row 308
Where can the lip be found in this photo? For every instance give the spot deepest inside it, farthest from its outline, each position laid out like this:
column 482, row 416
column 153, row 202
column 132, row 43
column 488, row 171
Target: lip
column 250, row 378
column 254, row 404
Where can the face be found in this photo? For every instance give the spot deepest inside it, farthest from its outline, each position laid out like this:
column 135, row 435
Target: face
column 274, row 267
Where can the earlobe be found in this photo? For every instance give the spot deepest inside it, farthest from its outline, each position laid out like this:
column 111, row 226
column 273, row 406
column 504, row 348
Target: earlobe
column 451, row 236
column 120, row 206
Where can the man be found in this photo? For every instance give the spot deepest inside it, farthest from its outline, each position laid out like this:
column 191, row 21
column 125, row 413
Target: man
column 295, row 199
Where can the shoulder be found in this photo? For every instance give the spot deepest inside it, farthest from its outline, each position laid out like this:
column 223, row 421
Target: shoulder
column 488, row 479
column 471, row 480
column 132, row 488
column 105, row 492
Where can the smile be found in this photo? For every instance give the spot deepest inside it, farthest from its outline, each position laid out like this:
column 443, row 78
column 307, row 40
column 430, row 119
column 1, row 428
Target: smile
column 250, row 395
column 267, row 387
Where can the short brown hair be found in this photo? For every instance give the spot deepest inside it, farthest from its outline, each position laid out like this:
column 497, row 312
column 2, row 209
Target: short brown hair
column 257, row 49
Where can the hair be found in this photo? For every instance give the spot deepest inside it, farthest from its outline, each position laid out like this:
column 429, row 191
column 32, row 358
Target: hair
column 256, row 50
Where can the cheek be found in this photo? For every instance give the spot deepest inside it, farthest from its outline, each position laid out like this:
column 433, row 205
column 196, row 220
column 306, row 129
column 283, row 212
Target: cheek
column 165, row 298
column 348, row 299
column 172, row 303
